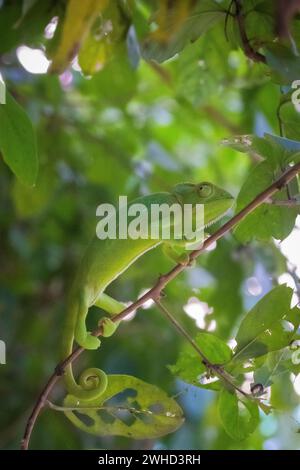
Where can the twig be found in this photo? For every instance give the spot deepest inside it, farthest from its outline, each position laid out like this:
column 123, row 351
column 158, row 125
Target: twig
column 182, row 331
column 286, row 9
column 109, row 409
column 248, row 49
column 215, row 368
column 279, row 119
column 228, row 14
column 155, row 292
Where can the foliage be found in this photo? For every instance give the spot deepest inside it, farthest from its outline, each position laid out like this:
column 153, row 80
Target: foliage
column 141, row 95
column 148, row 412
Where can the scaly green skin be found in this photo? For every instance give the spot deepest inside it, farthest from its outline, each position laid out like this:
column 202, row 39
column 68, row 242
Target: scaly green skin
column 105, row 260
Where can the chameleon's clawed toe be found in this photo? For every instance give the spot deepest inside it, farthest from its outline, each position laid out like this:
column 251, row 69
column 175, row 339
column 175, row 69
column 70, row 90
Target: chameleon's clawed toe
column 88, row 341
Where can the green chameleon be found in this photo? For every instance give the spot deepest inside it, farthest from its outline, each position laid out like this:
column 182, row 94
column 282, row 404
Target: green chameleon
column 105, row 260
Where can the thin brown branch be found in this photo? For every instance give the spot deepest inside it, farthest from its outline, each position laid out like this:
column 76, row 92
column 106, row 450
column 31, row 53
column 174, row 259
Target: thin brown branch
column 248, row 49
column 162, row 72
column 155, row 292
column 286, row 10
column 216, row 369
column 183, row 332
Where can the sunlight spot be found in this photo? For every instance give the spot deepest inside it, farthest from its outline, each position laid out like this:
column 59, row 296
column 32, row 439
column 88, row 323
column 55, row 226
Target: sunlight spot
column 130, row 316
column 66, row 79
column 204, row 380
column 287, row 326
column 211, row 247
column 296, row 382
column 75, row 65
column 290, row 247
column 149, row 303
column 234, row 60
column 253, row 286
column 51, row 27
column 2, row 91
column 212, row 326
column 33, row 60
column 295, row 300
column 288, row 280
column 248, row 363
column 232, row 343
column 296, row 413
column 295, row 345
column 268, row 425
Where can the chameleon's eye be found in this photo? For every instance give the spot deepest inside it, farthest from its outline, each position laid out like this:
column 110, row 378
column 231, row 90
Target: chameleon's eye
column 205, row 190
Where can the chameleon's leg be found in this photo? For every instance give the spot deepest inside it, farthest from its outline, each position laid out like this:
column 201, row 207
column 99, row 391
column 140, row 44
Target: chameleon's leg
column 111, row 306
column 83, row 337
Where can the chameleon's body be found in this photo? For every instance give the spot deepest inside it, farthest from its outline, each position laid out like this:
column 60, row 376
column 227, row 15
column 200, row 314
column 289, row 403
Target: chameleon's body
column 105, row 260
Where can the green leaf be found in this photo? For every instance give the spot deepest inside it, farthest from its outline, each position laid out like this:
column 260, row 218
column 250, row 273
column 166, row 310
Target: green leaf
column 269, row 326
column 129, row 407
column 249, row 143
column 272, row 367
column 191, row 74
column 277, row 150
column 99, row 45
column 24, row 24
column 17, row 141
column 292, row 146
column 118, row 79
column 290, row 117
column 189, row 366
column 78, row 21
column 283, row 62
column 268, row 220
column 30, row 201
column 239, row 417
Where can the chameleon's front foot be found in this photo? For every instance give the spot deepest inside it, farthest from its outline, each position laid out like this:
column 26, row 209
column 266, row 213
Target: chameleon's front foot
column 86, row 340
column 108, row 327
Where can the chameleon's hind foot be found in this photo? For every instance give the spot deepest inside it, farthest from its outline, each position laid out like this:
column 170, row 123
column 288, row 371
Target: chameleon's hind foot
column 108, row 327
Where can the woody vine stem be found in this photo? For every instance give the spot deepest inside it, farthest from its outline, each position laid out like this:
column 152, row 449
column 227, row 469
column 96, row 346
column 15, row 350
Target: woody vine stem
column 155, row 294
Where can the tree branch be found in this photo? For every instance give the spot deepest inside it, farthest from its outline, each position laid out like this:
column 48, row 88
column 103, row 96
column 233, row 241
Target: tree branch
column 248, row 49
column 217, row 369
column 155, row 292
column 286, row 9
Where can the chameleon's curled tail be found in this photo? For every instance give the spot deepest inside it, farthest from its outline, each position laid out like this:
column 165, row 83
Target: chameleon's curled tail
column 92, row 382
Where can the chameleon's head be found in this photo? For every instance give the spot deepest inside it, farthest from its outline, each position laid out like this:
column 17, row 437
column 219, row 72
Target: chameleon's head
column 216, row 200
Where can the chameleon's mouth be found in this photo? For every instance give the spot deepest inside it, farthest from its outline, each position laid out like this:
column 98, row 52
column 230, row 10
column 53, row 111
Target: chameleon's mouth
column 215, row 210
